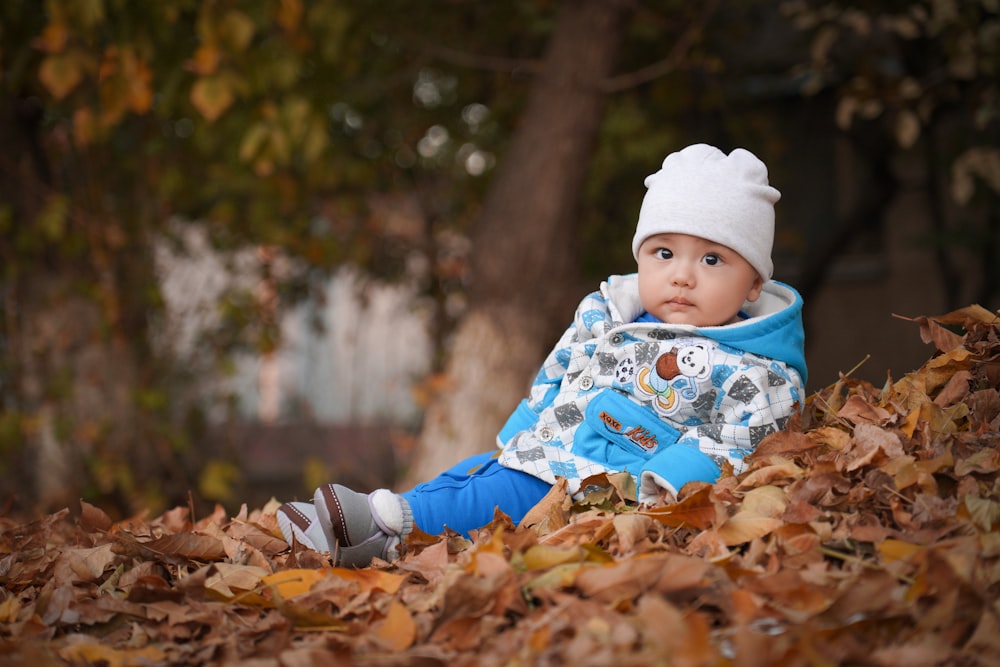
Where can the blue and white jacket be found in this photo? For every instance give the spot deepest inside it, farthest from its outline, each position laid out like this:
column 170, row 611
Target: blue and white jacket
column 667, row 403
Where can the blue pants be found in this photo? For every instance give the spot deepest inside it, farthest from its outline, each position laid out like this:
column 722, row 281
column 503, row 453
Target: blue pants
column 464, row 497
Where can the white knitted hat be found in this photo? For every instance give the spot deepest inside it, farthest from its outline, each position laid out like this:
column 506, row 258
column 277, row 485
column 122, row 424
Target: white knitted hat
column 703, row 192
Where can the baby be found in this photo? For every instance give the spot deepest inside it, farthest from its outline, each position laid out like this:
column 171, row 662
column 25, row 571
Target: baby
column 674, row 374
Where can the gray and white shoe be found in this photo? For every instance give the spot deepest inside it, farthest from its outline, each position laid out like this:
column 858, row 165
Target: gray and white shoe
column 298, row 523
column 360, row 527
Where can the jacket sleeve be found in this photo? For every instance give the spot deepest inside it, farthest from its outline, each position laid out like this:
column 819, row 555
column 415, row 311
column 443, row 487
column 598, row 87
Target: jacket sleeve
column 547, row 381
column 756, row 401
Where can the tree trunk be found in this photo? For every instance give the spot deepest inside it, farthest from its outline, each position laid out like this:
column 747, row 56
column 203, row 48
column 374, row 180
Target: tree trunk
column 524, row 247
column 69, row 375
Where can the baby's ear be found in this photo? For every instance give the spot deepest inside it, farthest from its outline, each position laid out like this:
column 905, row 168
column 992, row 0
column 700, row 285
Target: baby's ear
column 755, row 289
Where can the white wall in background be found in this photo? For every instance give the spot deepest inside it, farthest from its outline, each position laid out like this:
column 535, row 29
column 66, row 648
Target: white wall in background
column 359, row 367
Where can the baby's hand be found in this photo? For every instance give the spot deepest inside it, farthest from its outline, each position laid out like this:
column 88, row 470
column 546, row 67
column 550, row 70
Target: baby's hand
column 665, row 497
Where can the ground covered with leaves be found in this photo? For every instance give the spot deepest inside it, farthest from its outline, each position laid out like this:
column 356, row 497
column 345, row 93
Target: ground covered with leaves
column 868, row 533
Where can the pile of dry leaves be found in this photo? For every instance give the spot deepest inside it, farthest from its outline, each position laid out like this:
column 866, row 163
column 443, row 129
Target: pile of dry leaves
column 866, row 534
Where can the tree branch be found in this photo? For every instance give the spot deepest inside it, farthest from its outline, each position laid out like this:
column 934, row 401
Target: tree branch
column 475, row 60
column 667, row 65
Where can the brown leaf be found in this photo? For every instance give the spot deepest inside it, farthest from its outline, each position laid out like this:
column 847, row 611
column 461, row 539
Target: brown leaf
column 783, row 442
column 84, row 565
column 870, row 441
column 857, row 410
column 932, row 332
column 617, row 582
column 774, row 469
column 228, row 579
column 93, row 518
column 187, row 546
column 743, row 527
column 631, row 528
column 955, row 390
column 549, row 514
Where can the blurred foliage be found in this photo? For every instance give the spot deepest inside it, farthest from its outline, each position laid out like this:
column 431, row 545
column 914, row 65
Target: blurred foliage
column 290, row 126
column 920, row 80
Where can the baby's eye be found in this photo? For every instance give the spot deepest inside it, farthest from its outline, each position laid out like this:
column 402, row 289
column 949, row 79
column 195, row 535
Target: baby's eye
column 712, row 259
column 663, row 253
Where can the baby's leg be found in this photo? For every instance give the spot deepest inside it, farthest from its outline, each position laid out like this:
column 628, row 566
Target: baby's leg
column 358, row 527
column 465, row 497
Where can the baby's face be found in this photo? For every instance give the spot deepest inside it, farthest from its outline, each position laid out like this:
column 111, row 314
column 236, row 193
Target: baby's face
column 686, row 279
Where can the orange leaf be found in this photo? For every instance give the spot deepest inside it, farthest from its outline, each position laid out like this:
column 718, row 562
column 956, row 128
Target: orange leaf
column 92, row 653
column 53, row 39
column 698, row 510
column 290, row 583
column 368, row 579
column 397, row 630
column 205, row 60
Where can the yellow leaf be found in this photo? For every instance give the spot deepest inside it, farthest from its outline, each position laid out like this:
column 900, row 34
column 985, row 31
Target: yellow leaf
column 940, row 369
column 253, row 140
column 236, row 29
column 60, row 74
column 902, row 470
column 893, row 550
column 943, row 420
column 9, row 610
column 544, row 556
column 909, row 424
column 53, row 217
column 217, row 480
column 560, row 576
column 398, row 629
column 211, row 96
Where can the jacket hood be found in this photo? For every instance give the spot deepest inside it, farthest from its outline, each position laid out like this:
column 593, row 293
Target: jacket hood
column 773, row 328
